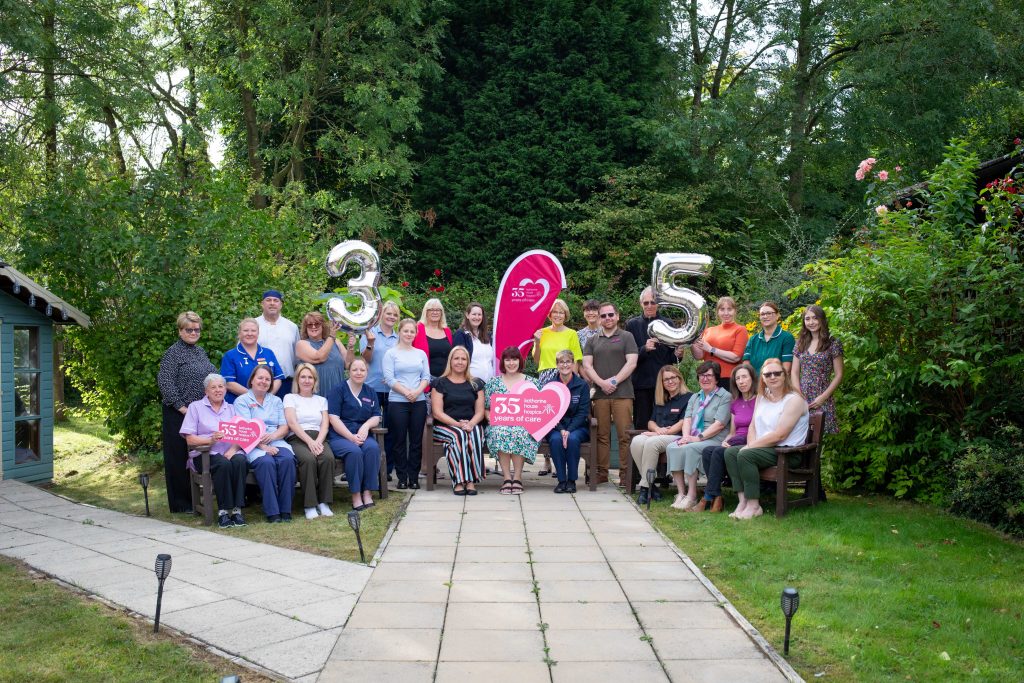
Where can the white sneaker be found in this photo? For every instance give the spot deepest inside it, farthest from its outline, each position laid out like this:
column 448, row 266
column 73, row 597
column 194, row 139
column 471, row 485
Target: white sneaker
column 324, row 510
column 311, row 513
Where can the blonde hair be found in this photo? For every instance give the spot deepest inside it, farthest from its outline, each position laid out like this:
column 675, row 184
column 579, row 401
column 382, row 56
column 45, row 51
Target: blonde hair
column 725, row 300
column 559, row 303
column 298, row 370
column 448, row 367
column 659, row 387
column 433, row 303
column 406, row 321
column 243, row 323
column 189, row 317
column 787, row 381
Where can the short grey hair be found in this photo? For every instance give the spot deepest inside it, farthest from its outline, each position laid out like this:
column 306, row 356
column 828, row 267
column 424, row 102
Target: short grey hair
column 565, row 354
column 213, row 377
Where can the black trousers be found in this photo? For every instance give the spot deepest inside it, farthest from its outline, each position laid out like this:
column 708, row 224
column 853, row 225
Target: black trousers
column 179, row 491
column 229, row 479
column 382, row 397
column 405, row 427
column 643, row 407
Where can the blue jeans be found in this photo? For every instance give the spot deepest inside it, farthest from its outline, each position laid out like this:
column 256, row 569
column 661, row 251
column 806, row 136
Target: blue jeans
column 567, row 458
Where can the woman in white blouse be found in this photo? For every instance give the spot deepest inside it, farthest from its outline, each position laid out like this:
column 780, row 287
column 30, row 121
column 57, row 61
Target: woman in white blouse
column 306, row 413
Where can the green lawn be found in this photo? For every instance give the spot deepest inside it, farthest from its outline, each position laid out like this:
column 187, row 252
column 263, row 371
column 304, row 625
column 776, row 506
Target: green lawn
column 888, row 590
column 87, row 469
column 50, row 634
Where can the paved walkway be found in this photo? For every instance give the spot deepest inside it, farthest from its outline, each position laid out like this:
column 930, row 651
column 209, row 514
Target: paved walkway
column 279, row 609
column 541, row 587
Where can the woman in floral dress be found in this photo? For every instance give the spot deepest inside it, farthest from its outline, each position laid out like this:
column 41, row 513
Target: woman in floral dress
column 818, row 369
column 514, row 445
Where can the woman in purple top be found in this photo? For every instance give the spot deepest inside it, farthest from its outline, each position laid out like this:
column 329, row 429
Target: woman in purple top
column 228, row 466
column 713, row 457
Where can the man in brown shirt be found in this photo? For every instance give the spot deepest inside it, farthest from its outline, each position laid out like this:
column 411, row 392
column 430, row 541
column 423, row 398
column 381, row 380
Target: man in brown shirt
column 608, row 362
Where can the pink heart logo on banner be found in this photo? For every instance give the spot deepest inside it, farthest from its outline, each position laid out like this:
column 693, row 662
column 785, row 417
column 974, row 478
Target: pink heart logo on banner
column 530, row 285
column 245, row 433
column 546, row 406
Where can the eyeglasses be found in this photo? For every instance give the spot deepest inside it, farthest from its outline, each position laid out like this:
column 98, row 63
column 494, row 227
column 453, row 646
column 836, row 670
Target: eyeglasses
column 314, row 325
column 566, row 362
column 648, row 303
column 773, row 374
column 192, row 330
column 767, row 314
column 670, row 378
column 608, row 315
column 707, row 375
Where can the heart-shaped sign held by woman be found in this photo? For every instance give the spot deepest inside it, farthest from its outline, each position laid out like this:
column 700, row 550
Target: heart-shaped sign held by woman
column 242, row 432
column 535, row 410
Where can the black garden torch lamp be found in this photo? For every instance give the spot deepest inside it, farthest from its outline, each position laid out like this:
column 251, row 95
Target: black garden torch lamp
column 144, row 483
column 354, row 521
column 650, row 487
column 163, row 570
column 790, row 604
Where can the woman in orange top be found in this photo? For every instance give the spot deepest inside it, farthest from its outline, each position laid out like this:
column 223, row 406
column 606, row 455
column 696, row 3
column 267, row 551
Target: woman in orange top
column 724, row 343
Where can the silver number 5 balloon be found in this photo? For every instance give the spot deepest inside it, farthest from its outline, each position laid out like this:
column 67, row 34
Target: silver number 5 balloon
column 667, row 268
column 363, row 285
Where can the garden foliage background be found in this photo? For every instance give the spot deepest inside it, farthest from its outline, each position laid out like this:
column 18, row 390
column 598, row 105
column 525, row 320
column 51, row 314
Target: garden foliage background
column 162, row 156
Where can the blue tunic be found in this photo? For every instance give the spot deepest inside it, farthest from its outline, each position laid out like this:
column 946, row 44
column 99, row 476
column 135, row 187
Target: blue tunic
column 237, row 365
column 353, row 411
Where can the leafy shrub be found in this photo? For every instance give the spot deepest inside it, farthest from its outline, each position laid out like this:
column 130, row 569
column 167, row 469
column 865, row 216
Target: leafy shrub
column 989, row 479
column 927, row 305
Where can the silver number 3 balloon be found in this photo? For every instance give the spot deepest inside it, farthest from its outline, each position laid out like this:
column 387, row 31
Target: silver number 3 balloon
column 668, row 267
column 363, row 285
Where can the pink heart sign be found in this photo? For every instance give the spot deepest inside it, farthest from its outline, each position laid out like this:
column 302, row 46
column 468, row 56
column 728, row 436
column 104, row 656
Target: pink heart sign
column 245, row 433
column 537, row 411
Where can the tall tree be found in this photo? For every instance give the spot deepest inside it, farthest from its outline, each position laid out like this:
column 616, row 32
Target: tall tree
column 538, row 101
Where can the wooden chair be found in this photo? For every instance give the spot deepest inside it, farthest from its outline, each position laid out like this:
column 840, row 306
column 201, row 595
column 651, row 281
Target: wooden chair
column 805, row 473
column 434, row 451
column 203, row 502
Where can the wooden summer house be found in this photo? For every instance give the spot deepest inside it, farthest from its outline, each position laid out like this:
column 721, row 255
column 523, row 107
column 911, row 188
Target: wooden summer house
column 28, row 314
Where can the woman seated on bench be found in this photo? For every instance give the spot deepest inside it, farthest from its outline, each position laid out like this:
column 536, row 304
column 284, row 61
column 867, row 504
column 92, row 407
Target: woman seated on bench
column 354, row 410
column 228, row 466
column 574, row 427
column 671, row 397
column 780, row 419
column 272, row 461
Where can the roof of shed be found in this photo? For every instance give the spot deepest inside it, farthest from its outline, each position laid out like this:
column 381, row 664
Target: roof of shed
column 35, row 296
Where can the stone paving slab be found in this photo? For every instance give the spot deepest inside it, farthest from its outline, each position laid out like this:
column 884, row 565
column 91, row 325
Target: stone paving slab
column 541, row 587
column 262, row 605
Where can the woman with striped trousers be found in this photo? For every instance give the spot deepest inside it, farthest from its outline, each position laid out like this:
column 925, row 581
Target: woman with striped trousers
column 457, row 403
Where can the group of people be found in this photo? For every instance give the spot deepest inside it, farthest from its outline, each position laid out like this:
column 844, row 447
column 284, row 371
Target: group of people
column 321, row 399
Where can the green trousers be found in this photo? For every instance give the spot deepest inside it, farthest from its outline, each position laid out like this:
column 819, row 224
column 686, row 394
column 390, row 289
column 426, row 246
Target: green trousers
column 744, row 467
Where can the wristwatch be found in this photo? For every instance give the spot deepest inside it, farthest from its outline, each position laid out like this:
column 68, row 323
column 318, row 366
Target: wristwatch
column 614, row 382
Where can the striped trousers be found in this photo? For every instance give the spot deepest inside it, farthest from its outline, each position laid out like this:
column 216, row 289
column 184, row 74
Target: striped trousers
column 464, row 452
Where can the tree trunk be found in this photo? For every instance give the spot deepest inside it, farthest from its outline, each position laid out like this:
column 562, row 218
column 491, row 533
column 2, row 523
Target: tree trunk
column 115, row 140
column 797, row 158
column 50, row 90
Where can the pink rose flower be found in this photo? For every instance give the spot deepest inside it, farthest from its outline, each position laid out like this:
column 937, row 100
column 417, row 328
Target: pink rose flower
column 883, row 175
column 859, row 175
column 898, row 169
column 881, row 210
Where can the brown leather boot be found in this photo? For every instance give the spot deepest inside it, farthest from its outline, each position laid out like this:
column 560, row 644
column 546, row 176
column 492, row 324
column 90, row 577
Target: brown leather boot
column 699, row 507
column 716, row 505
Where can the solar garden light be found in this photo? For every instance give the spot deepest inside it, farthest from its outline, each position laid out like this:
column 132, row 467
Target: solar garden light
column 231, row 679
column 163, row 570
column 354, row 522
column 144, row 483
column 790, row 604
column 650, row 487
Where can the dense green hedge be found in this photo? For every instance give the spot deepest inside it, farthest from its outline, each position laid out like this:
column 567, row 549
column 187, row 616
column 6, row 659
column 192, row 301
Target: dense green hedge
column 927, row 304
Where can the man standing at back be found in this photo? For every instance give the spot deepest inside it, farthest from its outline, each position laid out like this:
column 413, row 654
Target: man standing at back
column 653, row 356
column 280, row 335
column 608, row 362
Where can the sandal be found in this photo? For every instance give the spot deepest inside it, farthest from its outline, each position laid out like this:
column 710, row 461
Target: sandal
column 517, row 487
column 506, row 488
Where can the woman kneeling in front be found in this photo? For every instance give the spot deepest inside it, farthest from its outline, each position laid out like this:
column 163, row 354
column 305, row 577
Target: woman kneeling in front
column 780, row 419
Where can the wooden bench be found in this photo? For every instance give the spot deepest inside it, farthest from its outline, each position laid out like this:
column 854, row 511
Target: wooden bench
column 434, row 451
column 806, row 473
column 203, row 502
